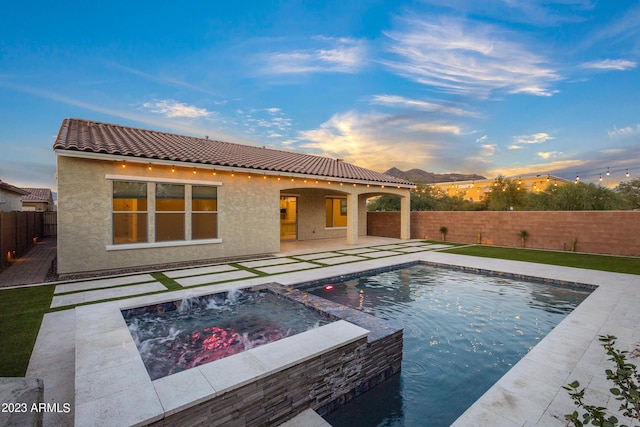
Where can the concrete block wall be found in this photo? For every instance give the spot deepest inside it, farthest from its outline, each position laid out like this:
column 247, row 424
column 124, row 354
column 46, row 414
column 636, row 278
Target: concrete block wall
column 601, row 232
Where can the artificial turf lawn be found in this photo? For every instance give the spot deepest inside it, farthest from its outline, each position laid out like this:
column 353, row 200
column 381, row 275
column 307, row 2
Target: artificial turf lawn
column 614, row 264
column 21, row 311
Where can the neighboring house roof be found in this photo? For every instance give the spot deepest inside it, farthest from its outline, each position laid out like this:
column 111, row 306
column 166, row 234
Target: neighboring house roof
column 37, row 195
column 12, row 189
column 102, row 138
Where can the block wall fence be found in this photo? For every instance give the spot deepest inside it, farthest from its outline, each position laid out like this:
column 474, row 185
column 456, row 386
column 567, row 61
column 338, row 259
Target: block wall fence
column 598, row 232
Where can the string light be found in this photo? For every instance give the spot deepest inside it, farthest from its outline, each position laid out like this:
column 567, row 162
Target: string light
column 627, row 174
column 173, row 169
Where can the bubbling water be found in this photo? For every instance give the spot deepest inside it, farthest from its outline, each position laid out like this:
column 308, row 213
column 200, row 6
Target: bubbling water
column 180, row 335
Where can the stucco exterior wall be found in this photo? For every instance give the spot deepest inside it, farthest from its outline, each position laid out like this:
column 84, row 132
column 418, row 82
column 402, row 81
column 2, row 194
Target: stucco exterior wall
column 248, row 217
column 312, row 214
column 248, row 214
column 10, row 201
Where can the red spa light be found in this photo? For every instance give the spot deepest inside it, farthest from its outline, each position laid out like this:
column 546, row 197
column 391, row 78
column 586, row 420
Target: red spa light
column 328, row 287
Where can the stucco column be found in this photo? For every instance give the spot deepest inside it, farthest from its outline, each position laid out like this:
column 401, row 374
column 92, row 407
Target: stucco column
column 405, row 218
column 352, row 219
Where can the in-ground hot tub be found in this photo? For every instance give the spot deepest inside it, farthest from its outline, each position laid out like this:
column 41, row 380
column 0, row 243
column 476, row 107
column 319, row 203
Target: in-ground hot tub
column 320, row 368
column 178, row 335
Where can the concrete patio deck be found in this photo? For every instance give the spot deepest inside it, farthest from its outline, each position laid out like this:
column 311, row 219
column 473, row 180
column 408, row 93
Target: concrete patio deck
column 529, row 394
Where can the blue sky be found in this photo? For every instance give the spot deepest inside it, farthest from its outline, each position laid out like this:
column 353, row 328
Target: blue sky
column 511, row 87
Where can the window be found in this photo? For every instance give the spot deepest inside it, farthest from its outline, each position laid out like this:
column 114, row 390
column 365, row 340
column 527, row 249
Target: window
column 170, row 208
column 176, row 212
column 129, row 212
column 336, row 212
column 204, row 212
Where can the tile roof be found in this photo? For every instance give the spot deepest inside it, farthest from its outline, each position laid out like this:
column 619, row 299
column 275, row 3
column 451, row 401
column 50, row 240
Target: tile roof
column 103, row 138
column 8, row 187
column 37, row 195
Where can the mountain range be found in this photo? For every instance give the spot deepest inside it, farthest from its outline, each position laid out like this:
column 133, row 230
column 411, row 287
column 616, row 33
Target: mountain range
column 419, row 176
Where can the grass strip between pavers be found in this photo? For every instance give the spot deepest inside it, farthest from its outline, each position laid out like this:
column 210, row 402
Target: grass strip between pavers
column 166, row 281
column 21, row 312
column 615, row 264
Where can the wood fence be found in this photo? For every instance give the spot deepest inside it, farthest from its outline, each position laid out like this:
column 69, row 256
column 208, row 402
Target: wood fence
column 19, row 232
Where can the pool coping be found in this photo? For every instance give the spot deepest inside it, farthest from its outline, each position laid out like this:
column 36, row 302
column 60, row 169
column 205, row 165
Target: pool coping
column 531, row 392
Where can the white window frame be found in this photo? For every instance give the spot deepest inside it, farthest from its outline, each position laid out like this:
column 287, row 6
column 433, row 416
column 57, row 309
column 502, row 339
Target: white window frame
column 151, row 213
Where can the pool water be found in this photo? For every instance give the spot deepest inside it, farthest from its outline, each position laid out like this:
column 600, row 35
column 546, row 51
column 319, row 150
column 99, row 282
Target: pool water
column 462, row 332
column 179, row 335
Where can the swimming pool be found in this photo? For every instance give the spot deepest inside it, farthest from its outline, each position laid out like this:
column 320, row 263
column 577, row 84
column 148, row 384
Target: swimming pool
column 462, row 332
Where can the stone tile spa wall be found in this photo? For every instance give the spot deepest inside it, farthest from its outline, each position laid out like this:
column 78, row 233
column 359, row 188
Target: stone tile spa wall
column 601, row 232
column 321, row 383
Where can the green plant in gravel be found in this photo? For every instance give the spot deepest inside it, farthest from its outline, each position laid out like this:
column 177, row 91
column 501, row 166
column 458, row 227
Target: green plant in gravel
column 21, row 312
column 444, row 230
column 626, row 390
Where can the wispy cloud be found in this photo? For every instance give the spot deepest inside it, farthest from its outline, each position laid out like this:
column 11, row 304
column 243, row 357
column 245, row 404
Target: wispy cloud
column 373, row 140
column 435, row 127
column 421, row 105
column 336, row 55
column 188, row 127
column 482, row 139
column 548, row 154
column 539, row 168
column 610, row 64
column 482, row 156
column 548, row 13
column 522, row 140
column 468, row 58
column 175, row 109
column 271, row 122
column 165, row 79
column 621, row 29
column 625, row 131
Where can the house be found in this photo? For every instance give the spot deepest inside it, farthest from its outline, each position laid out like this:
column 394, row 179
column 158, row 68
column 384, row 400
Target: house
column 10, row 197
column 38, row 199
column 477, row 190
column 131, row 197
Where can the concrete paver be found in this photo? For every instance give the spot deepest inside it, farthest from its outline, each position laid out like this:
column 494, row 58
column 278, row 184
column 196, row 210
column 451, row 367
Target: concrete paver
column 570, row 351
column 33, row 266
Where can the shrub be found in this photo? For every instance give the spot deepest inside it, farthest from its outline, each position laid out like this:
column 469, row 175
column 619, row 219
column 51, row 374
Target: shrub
column 625, row 379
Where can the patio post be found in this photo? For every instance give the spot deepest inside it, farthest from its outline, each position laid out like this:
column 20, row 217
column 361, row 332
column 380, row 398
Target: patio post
column 405, row 217
column 352, row 219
